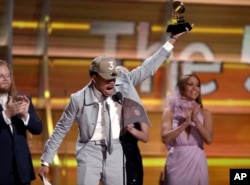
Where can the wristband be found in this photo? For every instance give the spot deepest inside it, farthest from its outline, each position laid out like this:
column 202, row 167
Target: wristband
column 168, row 46
column 45, row 163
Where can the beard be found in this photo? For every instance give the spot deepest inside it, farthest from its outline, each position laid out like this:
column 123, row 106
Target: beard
column 5, row 89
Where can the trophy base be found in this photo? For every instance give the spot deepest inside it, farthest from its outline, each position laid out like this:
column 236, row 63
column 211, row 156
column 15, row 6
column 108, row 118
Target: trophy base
column 178, row 28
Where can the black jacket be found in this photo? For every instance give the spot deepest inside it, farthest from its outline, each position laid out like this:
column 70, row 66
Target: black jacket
column 14, row 147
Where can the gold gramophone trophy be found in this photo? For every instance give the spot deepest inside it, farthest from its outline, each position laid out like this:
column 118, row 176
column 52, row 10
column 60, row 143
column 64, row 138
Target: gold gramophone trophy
column 178, row 24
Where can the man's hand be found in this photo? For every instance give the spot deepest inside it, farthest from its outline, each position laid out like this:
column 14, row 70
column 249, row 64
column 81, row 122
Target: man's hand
column 11, row 107
column 23, row 108
column 175, row 36
column 18, row 105
column 43, row 172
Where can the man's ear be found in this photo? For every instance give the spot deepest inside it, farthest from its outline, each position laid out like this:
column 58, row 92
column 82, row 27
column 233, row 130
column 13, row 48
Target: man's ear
column 93, row 77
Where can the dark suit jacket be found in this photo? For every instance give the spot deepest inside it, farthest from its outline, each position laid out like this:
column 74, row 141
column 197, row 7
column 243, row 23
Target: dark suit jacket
column 15, row 147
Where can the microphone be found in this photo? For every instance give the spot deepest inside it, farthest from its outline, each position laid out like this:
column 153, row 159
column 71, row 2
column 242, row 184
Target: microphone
column 117, row 97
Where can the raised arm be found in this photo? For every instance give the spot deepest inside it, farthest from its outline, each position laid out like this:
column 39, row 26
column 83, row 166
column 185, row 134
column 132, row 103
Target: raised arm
column 152, row 63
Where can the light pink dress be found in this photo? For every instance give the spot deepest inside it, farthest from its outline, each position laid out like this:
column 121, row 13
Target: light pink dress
column 186, row 162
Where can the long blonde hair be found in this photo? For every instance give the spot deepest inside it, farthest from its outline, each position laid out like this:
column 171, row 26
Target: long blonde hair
column 12, row 91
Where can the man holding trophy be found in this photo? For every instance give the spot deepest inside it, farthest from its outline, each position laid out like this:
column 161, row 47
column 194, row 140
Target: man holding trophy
column 103, row 165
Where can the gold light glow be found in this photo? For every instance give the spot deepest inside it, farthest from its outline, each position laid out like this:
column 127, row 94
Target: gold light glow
column 47, row 94
column 86, row 27
column 53, row 25
column 160, row 162
column 70, row 26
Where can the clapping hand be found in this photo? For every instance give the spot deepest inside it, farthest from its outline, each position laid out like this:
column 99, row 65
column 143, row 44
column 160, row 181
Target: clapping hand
column 195, row 111
column 18, row 105
column 188, row 116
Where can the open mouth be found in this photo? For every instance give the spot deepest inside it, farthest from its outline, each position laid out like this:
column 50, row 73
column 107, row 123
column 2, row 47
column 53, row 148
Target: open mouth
column 110, row 88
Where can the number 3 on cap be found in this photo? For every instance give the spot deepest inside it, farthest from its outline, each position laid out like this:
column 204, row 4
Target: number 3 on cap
column 111, row 65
